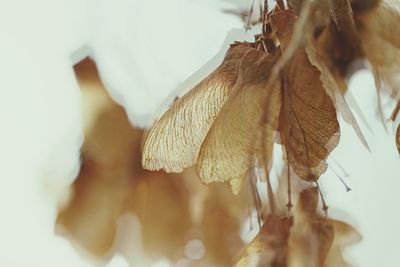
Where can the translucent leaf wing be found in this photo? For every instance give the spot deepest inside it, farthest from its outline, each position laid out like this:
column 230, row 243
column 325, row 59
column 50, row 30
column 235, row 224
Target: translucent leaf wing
column 308, row 124
column 380, row 37
column 332, row 87
column 244, row 128
column 270, row 247
column 174, row 141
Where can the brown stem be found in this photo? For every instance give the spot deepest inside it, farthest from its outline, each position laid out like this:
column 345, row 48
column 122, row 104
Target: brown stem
column 256, row 196
column 281, row 4
column 324, row 206
column 289, row 192
column 264, row 18
column 270, row 194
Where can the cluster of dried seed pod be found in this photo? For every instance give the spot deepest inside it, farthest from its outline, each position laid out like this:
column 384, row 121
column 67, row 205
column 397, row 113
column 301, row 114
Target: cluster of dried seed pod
column 291, row 80
column 306, row 239
column 288, row 85
column 117, row 207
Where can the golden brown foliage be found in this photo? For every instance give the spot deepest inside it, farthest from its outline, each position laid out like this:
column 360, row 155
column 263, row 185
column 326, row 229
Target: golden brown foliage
column 242, row 134
column 171, row 209
column 306, row 239
column 315, row 39
column 175, row 140
column 308, row 125
column 270, row 247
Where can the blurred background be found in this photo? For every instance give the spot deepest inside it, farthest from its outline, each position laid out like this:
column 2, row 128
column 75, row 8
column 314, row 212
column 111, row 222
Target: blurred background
column 73, row 192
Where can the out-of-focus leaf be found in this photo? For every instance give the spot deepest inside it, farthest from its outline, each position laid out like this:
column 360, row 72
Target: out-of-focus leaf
column 308, row 124
column 172, row 209
column 317, row 241
column 306, row 239
column 342, row 14
column 270, row 247
column 165, row 205
column 242, row 134
column 295, row 4
column 173, row 143
column 380, row 36
column 364, row 5
column 108, row 164
column 345, row 235
column 311, row 236
column 335, row 86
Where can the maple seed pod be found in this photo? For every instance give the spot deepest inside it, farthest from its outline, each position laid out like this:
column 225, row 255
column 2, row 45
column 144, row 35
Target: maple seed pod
column 308, row 122
column 242, row 134
column 174, row 141
column 304, row 239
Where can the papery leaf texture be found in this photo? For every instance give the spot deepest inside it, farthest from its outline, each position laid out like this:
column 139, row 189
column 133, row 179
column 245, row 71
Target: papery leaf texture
column 173, row 142
column 242, row 134
column 308, row 123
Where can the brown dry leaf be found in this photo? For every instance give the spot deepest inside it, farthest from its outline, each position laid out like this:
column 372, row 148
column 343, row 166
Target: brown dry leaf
column 335, row 85
column 112, row 183
column 342, row 14
column 345, row 235
column 316, row 241
column 90, row 219
column 306, row 239
column 173, row 143
column 364, row 5
column 322, row 38
column 223, row 216
column 242, row 134
column 311, row 236
column 165, row 205
column 380, row 37
column 270, row 247
column 308, row 124
column 295, row 4
column 107, row 168
column 161, row 204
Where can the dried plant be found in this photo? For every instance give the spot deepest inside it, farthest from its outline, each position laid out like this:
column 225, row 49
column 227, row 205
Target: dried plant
column 295, row 70
column 172, row 209
column 286, row 86
column 306, row 239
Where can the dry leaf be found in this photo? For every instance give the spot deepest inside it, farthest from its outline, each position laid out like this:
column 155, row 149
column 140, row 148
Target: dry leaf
column 311, row 234
column 242, row 134
column 305, row 239
column 308, row 124
column 108, row 159
column 345, row 235
column 112, row 183
column 364, row 5
column 342, row 14
column 316, row 241
column 270, row 247
column 381, row 42
column 173, row 143
column 334, row 84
